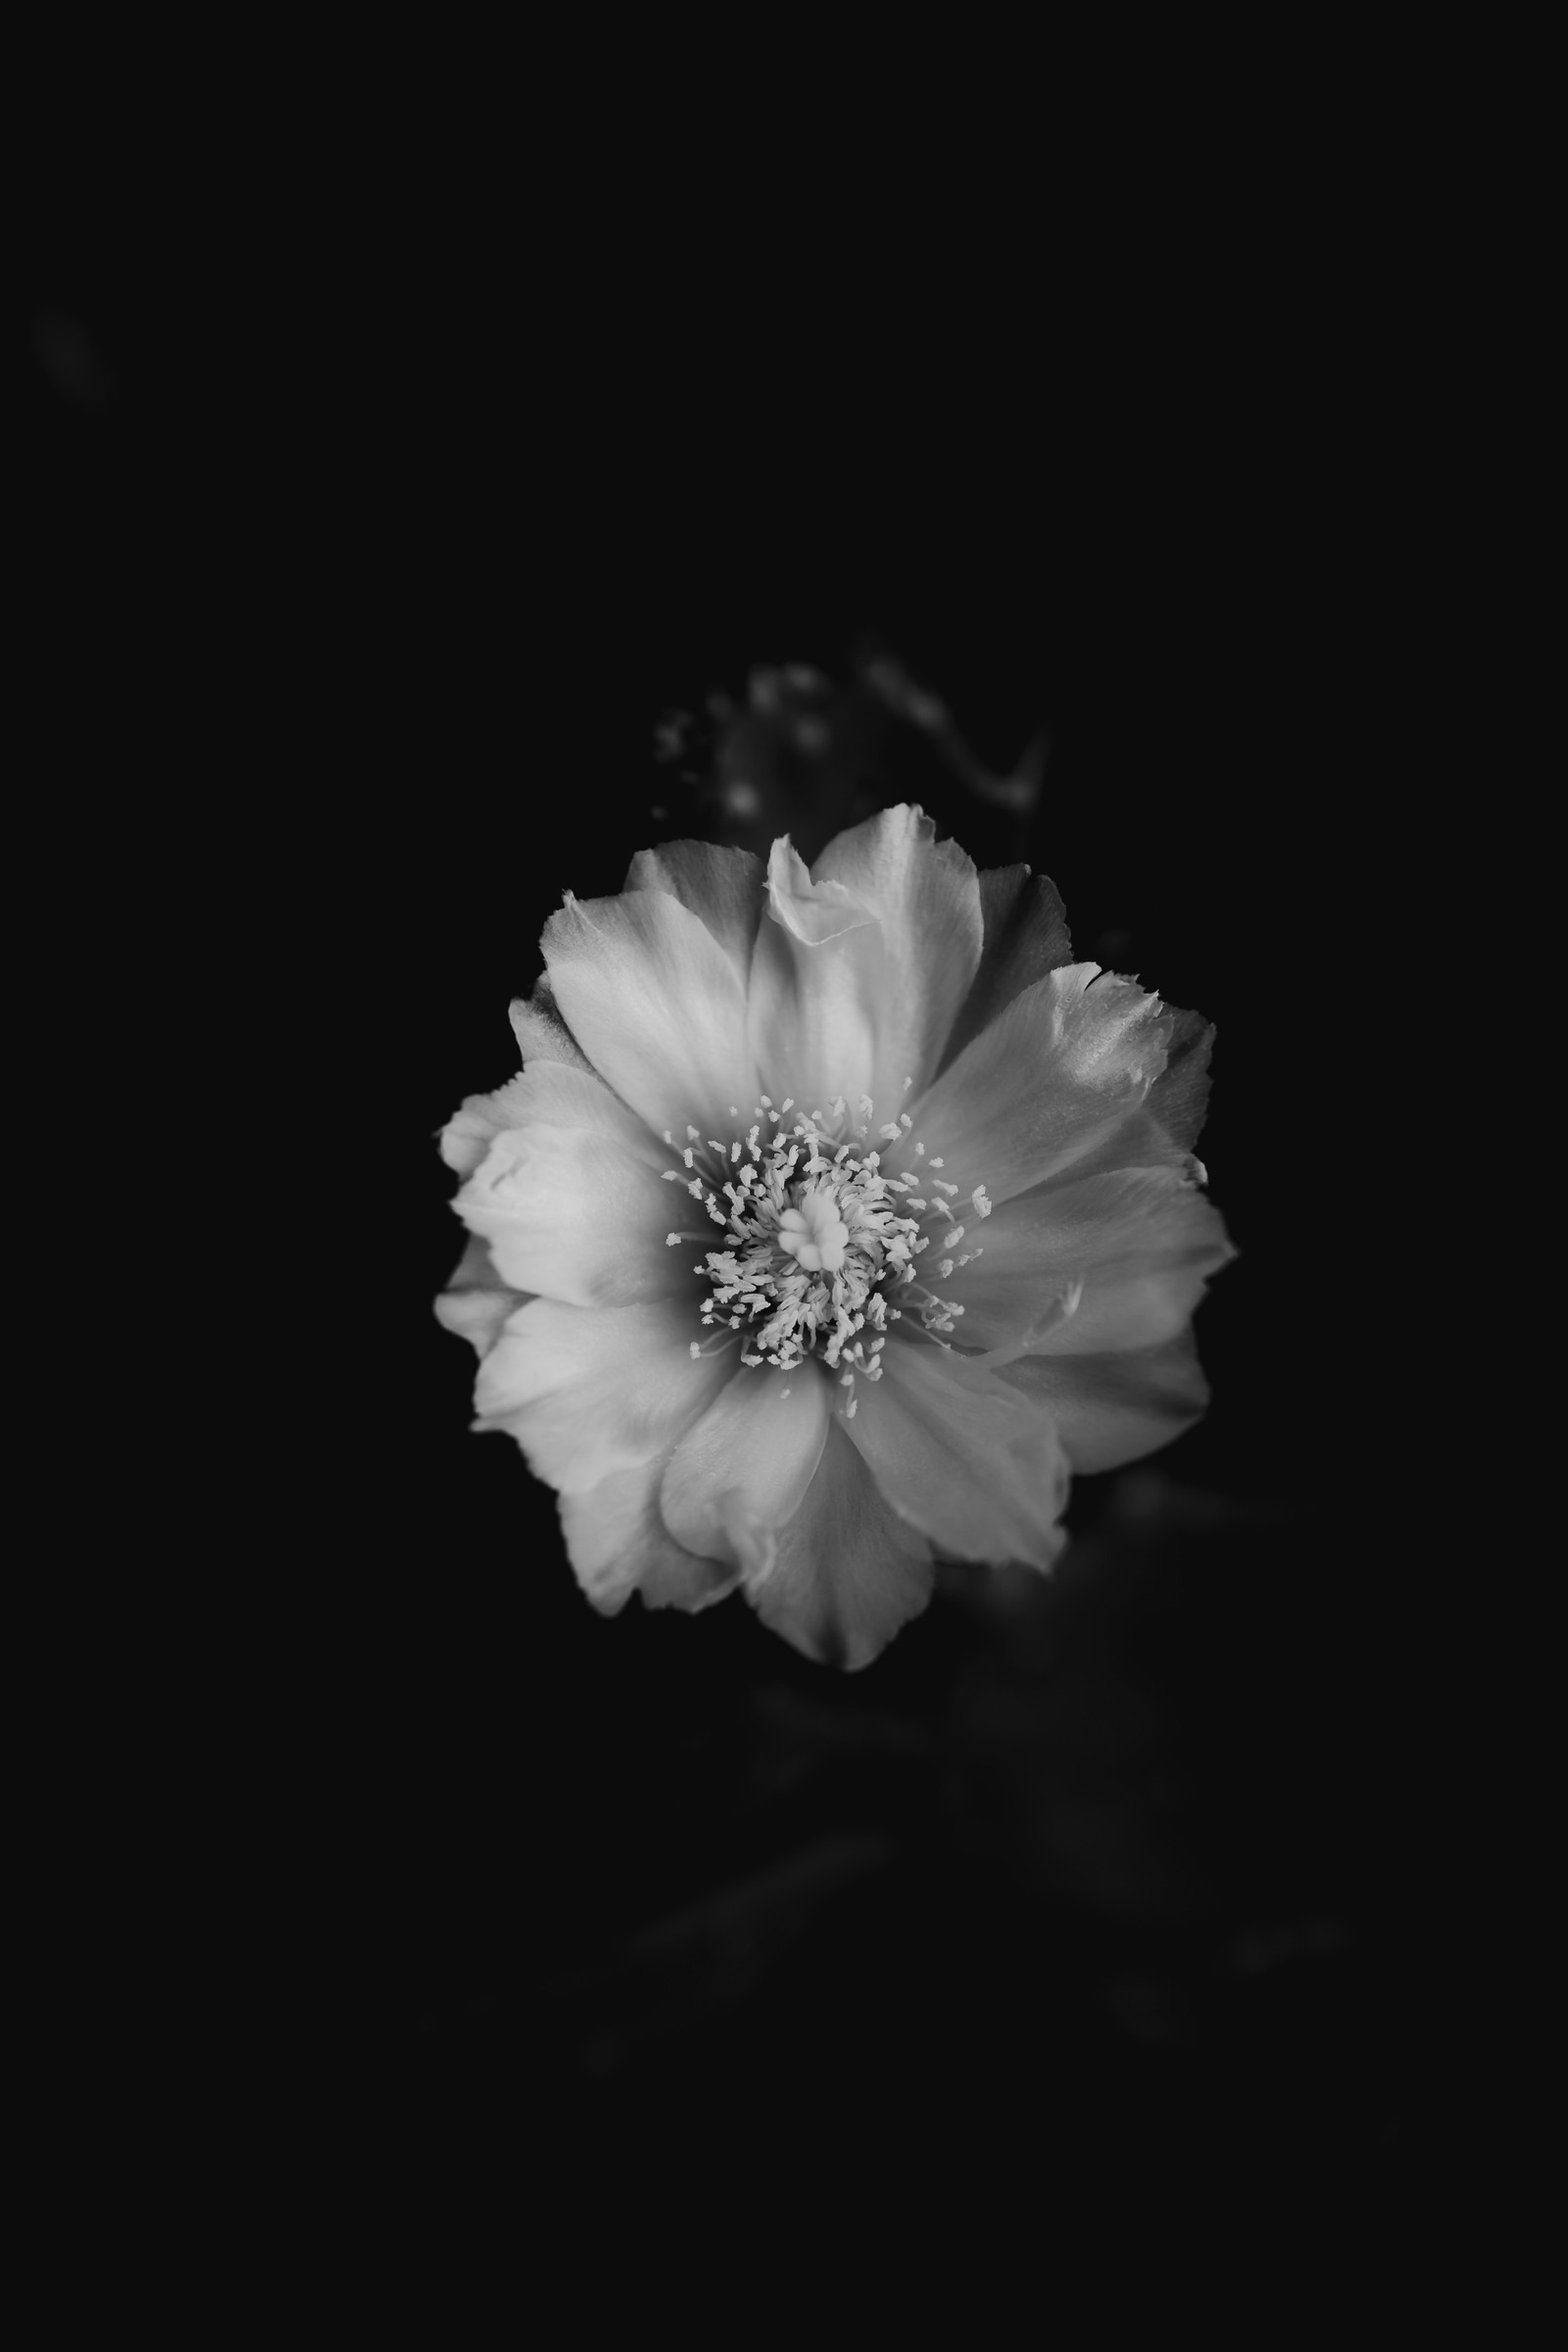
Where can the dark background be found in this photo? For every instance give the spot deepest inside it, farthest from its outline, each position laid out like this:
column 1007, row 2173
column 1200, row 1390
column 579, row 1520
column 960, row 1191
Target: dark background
column 384, row 511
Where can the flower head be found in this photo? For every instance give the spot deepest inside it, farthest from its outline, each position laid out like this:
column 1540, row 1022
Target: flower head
column 835, row 1218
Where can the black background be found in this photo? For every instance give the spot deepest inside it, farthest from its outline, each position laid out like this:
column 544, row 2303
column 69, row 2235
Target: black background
column 387, row 501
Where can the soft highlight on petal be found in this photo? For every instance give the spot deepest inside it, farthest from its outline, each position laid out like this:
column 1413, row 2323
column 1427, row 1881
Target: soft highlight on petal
column 1115, row 1408
column 541, row 1033
column 476, row 1303
column 589, row 1390
column 925, row 895
column 1072, row 1055
column 849, row 1572
column 1179, row 1096
column 1025, row 937
column 618, row 1544
column 745, row 1467
column 469, row 1132
column 571, row 1198
column 1143, row 1236
column 722, row 887
column 816, row 979
column 961, row 1457
column 656, row 1005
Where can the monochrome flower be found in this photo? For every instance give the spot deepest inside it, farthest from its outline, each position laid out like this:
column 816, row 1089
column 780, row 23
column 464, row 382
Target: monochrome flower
column 835, row 1218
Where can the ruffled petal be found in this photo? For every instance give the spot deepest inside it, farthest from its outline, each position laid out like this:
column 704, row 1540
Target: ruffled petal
column 1115, row 1408
column 618, row 1544
column 656, row 1005
column 1146, row 1236
column 542, row 1036
column 848, row 1571
column 1054, row 1075
column 589, row 1390
column 816, row 982
column 570, row 1198
column 960, row 1455
column 925, row 895
column 744, row 1469
column 469, row 1132
column 722, row 887
column 476, row 1303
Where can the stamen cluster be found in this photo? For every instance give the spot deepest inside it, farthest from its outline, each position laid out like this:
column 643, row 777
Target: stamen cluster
column 819, row 1239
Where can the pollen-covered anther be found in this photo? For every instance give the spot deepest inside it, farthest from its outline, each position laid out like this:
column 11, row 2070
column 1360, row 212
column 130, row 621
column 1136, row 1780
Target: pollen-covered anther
column 816, row 1233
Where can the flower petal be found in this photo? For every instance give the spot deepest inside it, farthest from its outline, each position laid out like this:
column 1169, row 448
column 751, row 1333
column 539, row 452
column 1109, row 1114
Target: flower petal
column 1025, row 937
column 1159, row 1131
column 1179, row 1096
column 925, row 895
column 542, row 1035
column 722, row 887
column 655, row 1004
column 1141, row 1305
column 815, row 984
column 589, row 1390
column 961, row 1457
column 476, row 1303
column 571, row 1199
column 1114, row 1409
column 1051, row 1078
column 469, row 1132
column 848, row 1571
column 618, row 1544
column 1135, row 1140
column 541, row 1032
column 1144, row 1237
column 744, row 1469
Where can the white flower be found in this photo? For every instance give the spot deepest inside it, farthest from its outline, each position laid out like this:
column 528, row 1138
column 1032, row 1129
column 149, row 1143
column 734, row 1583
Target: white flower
column 835, row 1218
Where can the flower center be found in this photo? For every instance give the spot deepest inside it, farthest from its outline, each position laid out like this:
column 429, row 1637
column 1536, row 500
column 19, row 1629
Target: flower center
column 814, row 1231
column 818, row 1239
